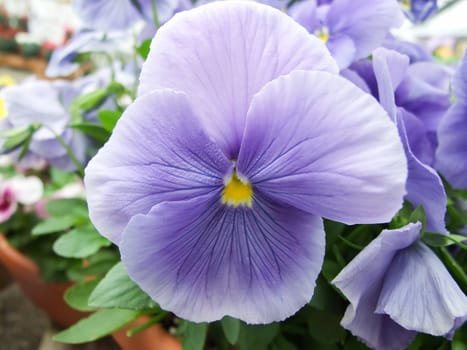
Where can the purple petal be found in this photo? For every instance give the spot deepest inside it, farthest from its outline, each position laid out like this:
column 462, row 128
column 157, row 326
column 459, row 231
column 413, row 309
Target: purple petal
column 361, row 280
column 157, row 152
column 305, row 13
column 451, row 154
column 420, row 294
column 107, row 15
column 415, row 51
column 310, row 142
column 366, row 22
column 246, row 45
column 203, row 260
column 343, row 49
column 425, row 93
column 424, row 186
column 459, row 81
column 390, row 68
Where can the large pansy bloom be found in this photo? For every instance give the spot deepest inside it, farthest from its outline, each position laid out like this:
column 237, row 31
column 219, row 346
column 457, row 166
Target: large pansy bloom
column 416, row 97
column 352, row 29
column 397, row 286
column 451, row 154
column 215, row 179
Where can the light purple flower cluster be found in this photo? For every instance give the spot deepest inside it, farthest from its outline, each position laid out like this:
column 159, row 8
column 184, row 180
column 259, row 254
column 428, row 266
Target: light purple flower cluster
column 215, row 179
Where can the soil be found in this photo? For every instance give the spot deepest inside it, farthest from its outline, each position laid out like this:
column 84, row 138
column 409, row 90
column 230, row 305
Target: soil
column 24, row 327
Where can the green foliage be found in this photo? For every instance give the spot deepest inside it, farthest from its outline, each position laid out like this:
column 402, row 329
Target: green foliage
column 77, row 296
column 257, row 337
column 118, row 290
column 231, row 328
column 98, row 325
column 80, row 242
column 193, row 335
column 109, row 119
column 143, row 49
column 52, row 225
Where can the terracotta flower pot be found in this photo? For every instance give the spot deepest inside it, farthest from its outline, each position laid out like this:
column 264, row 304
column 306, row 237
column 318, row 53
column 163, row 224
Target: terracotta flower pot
column 47, row 296
column 152, row 338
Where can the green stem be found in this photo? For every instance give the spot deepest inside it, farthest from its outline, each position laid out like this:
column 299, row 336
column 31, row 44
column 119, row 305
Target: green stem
column 68, row 150
column 135, row 66
column 349, row 243
column 148, row 324
column 157, row 23
column 454, row 267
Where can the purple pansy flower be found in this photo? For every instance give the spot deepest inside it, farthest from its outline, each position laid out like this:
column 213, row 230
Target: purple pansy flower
column 105, row 15
column 396, row 287
column 215, row 179
column 62, row 62
column 451, row 154
column 419, row 10
column 416, row 97
column 352, row 29
column 48, row 103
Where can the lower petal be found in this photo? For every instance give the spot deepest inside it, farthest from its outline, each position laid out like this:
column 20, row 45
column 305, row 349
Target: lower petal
column 420, row 294
column 203, row 260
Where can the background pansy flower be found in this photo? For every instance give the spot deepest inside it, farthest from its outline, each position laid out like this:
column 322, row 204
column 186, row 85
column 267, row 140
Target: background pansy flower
column 419, row 10
column 416, row 97
column 396, row 287
column 105, row 15
column 451, row 154
column 20, row 189
column 352, row 29
column 47, row 104
column 215, row 179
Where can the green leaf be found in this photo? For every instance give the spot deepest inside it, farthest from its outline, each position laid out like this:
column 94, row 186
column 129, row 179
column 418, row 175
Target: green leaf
column 118, row 290
column 95, row 131
column 25, row 147
column 194, row 335
column 280, row 343
column 66, row 206
column 257, row 337
column 17, row 138
column 91, row 99
column 330, row 269
column 325, row 327
column 231, row 327
column 143, row 50
column 52, row 225
column 77, row 296
column 98, row 325
column 98, row 265
column 439, row 240
column 418, row 215
column 109, row 119
column 80, row 243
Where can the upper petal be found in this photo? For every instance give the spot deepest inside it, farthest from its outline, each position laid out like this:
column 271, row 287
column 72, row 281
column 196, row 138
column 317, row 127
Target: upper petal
column 244, row 46
column 203, row 260
column 420, row 294
column 317, row 142
column 157, row 152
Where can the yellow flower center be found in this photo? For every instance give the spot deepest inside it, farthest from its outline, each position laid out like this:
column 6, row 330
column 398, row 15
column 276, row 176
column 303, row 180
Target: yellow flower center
column 407, row 4
column 2, row 109
column 237, row 192
column 322, row 34
column 6, row 80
